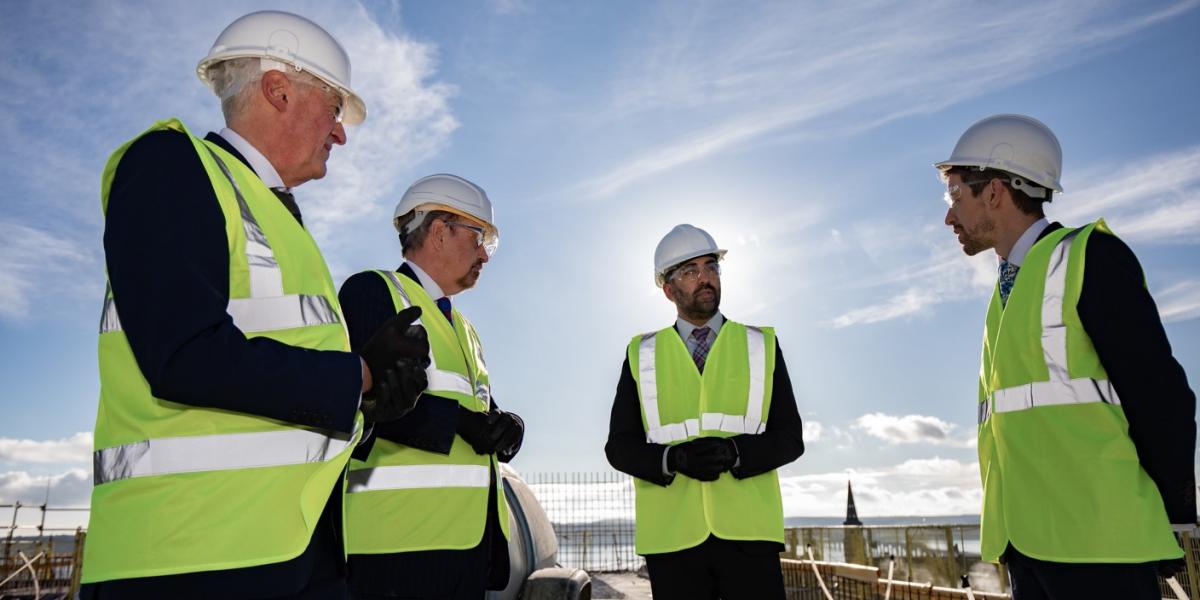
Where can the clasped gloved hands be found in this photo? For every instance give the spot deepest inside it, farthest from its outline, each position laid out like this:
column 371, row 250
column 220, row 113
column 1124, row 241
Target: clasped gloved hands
column 703, row 459
column 397, row 356
column 490, row 432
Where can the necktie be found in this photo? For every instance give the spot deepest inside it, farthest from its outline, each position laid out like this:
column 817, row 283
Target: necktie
column 1008, row 275
column 444, row 304
column 700, row 354
column 289, row 202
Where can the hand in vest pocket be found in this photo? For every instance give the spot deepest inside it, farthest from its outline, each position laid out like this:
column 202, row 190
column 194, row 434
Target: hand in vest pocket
column 397, row 356
column 703, row 459
column 490, row 432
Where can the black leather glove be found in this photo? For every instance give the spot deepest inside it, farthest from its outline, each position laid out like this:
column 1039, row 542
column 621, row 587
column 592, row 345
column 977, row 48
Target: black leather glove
column 490, row 432
column 395, row 393
column 703, row 459
column 508, row 430
column 397, row 356
column 473, row 427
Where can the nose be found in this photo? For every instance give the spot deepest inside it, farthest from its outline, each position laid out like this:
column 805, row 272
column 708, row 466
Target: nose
column 949, row 219
column 482, row 252
column 339, row 134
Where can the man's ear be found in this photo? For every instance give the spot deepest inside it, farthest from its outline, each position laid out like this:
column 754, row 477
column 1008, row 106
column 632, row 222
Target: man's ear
column 277, row 90
column 669, row 291
column 1002, row 192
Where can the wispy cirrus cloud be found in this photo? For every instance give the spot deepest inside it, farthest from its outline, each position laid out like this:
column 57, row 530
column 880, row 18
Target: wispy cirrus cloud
column 1180, row 302
column 749, row 75
column 35, row 262
column 1154, row 200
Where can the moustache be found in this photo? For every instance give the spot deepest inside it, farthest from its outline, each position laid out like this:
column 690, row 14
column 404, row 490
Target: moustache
column 702, row 288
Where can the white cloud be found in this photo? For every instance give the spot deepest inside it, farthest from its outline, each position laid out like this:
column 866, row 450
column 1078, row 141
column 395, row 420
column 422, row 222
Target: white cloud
column 34, row 263
column 69, row 489
column 921, row 487
column 911, row 429
column 812, row 431
column 1180, row 302
column 833, row 69
column 1154, row 200
column 75, row 449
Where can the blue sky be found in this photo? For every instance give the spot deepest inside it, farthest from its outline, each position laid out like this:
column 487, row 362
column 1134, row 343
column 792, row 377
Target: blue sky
column 799, row 134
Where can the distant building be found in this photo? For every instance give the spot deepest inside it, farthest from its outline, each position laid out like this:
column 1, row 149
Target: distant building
column 851, row 512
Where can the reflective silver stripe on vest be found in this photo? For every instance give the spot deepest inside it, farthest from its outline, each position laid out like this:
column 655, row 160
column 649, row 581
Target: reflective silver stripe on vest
column 439, row 380
column 266, row 280
column 1061, row 388
column 190, row 454
column 267, row 308
column 281, row 312
column 1053, row 393
column 408, row 477
column 109, row 321
column 751, row 422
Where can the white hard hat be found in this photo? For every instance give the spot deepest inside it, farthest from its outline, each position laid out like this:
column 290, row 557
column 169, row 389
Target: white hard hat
column 681, row 244
column 449, row 193
column 286, row 40
column 1018, row 144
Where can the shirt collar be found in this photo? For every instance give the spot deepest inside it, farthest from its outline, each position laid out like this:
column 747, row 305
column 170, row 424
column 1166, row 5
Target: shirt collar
column 431, row 287
column 263, row 167
column 1026, row 241
column 686, row 328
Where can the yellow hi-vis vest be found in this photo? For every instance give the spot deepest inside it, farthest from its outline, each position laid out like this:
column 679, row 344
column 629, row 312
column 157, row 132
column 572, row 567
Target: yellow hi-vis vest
column 403, row 499
column 733, row 396
column 180, row 489
column 1061, row 477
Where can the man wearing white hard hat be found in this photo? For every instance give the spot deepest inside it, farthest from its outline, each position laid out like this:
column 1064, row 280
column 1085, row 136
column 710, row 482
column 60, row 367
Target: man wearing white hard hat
column 425, row 516
column 703, row 416
column 1087, row 431
column 230, row 400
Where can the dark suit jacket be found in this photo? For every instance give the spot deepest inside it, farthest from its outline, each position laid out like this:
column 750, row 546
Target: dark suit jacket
column 1122, row 320
column 431, row 425
column 781, row 443
column 167, row 257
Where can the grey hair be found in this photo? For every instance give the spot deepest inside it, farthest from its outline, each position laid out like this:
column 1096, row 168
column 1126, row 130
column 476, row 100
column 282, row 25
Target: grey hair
column 235, row 82
column 414, row 239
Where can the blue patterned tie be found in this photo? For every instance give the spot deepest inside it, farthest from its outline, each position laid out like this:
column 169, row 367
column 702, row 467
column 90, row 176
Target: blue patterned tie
column 444, row 304
column 700, row 354
column 1008, row 275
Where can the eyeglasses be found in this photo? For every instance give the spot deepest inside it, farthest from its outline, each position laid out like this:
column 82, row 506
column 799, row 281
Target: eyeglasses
column 489, row 240
column 691, row 273
column 336, row 109
column 954, row 192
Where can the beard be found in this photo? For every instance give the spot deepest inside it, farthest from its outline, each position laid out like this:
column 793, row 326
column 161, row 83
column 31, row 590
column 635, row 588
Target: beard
column 700, row 306
column 978, row 239
column 468, row 280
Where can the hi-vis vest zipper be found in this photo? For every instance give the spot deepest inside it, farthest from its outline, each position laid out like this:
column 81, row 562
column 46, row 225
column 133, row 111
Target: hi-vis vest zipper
column 403, row 499
column 1061, row 477
column 733, row 396
column 180, row 489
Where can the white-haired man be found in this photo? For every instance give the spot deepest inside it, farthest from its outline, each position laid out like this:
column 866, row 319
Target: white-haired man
column 229, row 400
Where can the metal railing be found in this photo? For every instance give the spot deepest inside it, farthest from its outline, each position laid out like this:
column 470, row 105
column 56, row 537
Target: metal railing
column 593, row 518
column 43, row 563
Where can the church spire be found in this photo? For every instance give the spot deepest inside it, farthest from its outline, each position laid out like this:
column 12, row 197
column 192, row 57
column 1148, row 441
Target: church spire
column 851, row 512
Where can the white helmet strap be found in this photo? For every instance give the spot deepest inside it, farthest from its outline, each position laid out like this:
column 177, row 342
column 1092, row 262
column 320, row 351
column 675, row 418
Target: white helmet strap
column 1033, row 191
